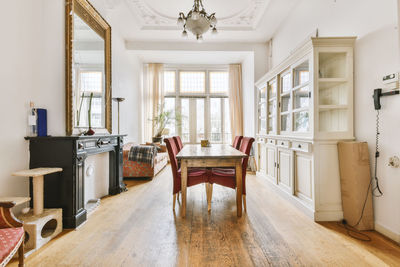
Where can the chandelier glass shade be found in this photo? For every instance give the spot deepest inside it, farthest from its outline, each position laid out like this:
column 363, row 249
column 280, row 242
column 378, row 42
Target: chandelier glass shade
column 197, row 21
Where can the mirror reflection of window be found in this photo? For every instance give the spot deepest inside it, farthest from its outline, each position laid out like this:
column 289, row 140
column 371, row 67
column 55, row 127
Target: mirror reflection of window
column 89, row 75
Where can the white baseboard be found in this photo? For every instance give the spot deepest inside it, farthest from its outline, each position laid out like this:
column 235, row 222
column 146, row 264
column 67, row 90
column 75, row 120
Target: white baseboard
column 328, row 216
column 318, row 216
column 387, row 232
column 294, row 201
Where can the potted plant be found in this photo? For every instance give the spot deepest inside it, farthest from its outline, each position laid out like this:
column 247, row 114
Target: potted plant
column 161, row 121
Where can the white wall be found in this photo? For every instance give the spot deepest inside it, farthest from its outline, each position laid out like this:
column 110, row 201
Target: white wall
column 32, row 51
column 249, row 97
column 376, row 54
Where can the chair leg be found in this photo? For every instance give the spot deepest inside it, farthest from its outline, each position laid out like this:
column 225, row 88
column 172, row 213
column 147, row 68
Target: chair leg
column 209, row 188
column 21, row 255
column 173, row 201
column 244, row 203
column 206, row 185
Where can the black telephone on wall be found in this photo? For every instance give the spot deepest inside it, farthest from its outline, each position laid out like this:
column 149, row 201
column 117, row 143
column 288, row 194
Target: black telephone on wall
column 377, row 104
column 378, row 94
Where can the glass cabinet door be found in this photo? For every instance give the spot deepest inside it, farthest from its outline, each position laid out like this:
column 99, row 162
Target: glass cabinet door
column 272, row 106
column 285, row 101
column 262, row 110
column 301, row 97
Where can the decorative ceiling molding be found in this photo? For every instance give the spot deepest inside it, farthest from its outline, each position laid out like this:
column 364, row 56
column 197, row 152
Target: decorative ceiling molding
column 246, row 20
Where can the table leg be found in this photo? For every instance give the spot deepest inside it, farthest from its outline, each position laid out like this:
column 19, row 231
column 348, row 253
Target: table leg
column 239, row 187
column 37, row 195
column 183, row 186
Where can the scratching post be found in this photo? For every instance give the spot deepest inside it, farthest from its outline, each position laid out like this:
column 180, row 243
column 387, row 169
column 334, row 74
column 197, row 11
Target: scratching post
column 40, row 225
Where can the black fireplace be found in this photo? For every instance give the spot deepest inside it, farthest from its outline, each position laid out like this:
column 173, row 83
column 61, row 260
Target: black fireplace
column 66, row 189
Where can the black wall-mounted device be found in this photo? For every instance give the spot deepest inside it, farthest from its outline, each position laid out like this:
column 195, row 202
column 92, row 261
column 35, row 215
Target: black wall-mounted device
column 378, row 94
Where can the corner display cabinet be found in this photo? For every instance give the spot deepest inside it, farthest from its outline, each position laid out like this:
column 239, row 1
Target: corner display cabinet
column 305, row 107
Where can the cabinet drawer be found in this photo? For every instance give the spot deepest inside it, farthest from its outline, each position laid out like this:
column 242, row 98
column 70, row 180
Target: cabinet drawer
column 301, row 146
column 261, row 140
column 282, row 143
column 271, row 142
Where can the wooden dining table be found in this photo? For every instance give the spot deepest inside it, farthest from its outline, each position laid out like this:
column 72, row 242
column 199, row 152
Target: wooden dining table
column 216, row 155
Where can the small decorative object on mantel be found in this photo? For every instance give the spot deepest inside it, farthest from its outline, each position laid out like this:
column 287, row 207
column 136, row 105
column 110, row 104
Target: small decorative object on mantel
column 90, row 130
column 119, row 100
column 32, row 120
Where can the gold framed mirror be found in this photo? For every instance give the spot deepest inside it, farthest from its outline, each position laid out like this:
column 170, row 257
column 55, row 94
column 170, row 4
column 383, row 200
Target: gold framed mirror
column 88, row 69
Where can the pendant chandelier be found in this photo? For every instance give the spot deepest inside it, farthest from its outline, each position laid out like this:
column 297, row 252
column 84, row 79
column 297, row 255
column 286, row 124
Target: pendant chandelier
column 197, row 21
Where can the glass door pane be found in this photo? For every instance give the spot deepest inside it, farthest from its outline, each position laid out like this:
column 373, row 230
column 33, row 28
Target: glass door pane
column 272, row 89
column 169, row 106
column 227, row 123
column 215, row 120
column 286, row 83
column 285, row 123
column 301, row 98
column 185, row 111
column 263, row 109
column 301, row 74
column 271, row 125
column 285, row 104
column 200, row 133
column 301, row 121
column 263, row 95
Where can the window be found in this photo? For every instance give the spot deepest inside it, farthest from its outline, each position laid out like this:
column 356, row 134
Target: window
column 169, row 81
column 192, row 82
column 201, row 99
column 219, row 82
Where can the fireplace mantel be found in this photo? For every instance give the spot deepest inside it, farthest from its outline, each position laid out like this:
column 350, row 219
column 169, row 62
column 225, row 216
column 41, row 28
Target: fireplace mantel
column 66, row 190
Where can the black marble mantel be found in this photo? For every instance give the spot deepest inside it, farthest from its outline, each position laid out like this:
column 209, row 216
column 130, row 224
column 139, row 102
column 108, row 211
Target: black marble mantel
column 66, row 189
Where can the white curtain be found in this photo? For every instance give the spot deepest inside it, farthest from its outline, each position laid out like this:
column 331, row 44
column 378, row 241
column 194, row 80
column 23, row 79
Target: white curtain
column 153, row 97
column 236, row 99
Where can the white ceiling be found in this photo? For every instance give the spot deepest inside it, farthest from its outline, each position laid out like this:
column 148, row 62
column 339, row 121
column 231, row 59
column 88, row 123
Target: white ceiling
column 238, row 20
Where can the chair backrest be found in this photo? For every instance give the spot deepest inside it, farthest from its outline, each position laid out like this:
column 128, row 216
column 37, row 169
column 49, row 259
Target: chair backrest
column 237, row 141
column 245, row 147
column 178, row 142
column 172, row 152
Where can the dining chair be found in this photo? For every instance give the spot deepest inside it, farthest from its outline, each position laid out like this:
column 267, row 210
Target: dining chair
column 237, row 141
column 227, row 176
column 178, row 142
column 195, row 175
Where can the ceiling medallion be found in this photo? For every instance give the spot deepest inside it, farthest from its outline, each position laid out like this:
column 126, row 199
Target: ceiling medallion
column 197, row 21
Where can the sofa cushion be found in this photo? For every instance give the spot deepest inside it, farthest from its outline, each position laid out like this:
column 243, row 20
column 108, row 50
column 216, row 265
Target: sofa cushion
column 10, row 239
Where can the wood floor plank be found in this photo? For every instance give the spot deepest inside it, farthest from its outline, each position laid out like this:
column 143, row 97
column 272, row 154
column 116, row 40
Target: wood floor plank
column 139, row 228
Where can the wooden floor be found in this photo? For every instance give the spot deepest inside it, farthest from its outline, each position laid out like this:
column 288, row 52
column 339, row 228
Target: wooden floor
column 139, row 228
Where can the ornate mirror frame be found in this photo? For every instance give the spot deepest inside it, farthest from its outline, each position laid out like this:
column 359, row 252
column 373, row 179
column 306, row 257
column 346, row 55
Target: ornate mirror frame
column 90, row 15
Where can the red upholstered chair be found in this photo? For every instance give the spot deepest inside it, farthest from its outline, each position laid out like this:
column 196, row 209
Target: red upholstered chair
column 195, row 175
column 227, row 176
column 237, row 141
column 11, row 235
column 178, row 142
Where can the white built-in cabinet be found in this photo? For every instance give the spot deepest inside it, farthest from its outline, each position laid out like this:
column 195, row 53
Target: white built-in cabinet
column 305, row 107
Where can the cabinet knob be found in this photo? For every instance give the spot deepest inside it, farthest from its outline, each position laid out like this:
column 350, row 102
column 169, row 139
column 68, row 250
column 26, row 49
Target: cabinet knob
column 282, row 143
column 299, row 146
column 80, row 146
